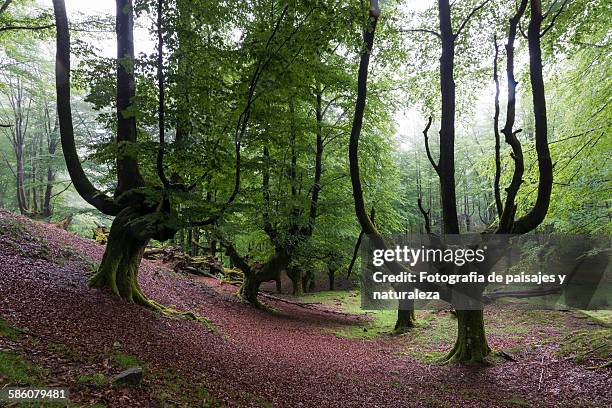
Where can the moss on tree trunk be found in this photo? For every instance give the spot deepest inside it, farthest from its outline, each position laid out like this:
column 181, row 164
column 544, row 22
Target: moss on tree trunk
column 296, row 275
column 405, row 321
column 471, row 344
column 249, row 289
column 118, row 271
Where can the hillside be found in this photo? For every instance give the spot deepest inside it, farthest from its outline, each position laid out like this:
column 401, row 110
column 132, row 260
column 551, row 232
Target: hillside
column 55, row 331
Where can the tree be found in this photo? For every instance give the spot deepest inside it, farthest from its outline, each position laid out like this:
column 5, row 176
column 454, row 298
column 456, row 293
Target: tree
column 30, row 128
column 471, row 344
column 142, row 202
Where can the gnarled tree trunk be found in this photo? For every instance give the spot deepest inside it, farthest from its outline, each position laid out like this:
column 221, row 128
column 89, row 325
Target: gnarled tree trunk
column 118, row 271
column 256, row 275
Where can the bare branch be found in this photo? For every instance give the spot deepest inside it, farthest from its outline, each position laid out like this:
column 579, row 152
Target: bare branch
column 5, row 5
column 509, row 208
column 421, row 30
column 161, row 90
column 429, row 156
column 62, row 191
column 498, row 201
column 64, row 111
column 24, row 27
column 469, row 17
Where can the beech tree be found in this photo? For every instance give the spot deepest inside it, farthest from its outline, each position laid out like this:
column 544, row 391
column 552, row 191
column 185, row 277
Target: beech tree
column 471, row 344
column 141, row 204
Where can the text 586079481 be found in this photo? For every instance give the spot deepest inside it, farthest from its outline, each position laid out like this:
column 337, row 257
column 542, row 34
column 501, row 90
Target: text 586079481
column 32, row 394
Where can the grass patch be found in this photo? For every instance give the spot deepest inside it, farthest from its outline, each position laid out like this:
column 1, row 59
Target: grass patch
column 602, row 317
column 12, row 228
column 8, row 331
column 69, row 253
column 126, row 361
column 517, row 402
column 96, row 380
column 62, row 350
column 434, row 402
column 172, row 389
column 586, row 343
column 28, row 245
column 16, row 370
column 383, row 321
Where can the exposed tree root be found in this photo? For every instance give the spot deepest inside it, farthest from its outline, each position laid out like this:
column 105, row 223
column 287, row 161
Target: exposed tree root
column 142, row 300
column 604, row 365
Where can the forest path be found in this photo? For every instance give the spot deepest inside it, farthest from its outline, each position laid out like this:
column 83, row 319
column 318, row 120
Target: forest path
column 288, row 359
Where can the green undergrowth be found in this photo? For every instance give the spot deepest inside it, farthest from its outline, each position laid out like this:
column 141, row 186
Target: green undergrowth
column 438, row 327
column 12, row 228
column 17, row 370
column 585, row 344
column 381, row 321
column 92, row 380
column 517, row 402
column 8, row 331
column 601, row 317
column 126, row 361
column 72, row 254
column 435, row 331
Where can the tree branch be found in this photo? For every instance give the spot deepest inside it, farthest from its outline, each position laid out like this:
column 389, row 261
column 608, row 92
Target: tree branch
column 468, row 18
column 429, row 156
column 161, row 109
column 23, row 27
column 421, row 30
column 243, row 119
column 64, row 112
column 425, row 215
column 554, row 18
column 509, row 208
column 536, row 215
column 5, row 5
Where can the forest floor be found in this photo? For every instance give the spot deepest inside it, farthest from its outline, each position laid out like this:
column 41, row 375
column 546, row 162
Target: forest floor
column 55, row 331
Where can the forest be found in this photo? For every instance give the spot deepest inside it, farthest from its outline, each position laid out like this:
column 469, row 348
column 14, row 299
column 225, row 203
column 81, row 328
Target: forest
column 190, row 191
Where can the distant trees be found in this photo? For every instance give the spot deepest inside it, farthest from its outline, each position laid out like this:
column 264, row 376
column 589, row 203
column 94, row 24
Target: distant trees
column 30, row 127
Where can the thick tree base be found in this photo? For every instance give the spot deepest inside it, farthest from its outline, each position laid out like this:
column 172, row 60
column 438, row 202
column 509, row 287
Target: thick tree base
column 249, row 290
column 405, row 321
column 471, row 345
column 297, row 282
column 118, row 271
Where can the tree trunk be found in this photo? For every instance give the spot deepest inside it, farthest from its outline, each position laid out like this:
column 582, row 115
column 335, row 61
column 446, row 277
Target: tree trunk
column 331, row 274
column 446, row 166
column 296, row 274
column 405, row 320
column 279, row 286
column 256, row 275
column 22, row 200
column 250, row 289
column 118, row 271
column 471, row 344
column 48, row 192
